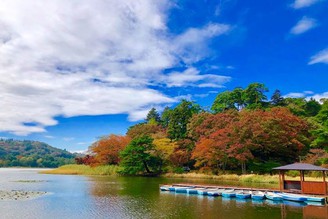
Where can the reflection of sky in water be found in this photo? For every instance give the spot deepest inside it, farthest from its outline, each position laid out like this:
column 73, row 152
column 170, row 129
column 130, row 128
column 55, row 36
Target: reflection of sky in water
column 124, row 197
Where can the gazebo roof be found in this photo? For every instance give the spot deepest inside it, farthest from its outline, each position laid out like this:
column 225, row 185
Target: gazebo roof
column 301, row 166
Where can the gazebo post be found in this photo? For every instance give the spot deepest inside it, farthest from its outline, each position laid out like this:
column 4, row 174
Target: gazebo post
column 280, row 185
column 302, row 179
column 283, row 180
column 324, row 181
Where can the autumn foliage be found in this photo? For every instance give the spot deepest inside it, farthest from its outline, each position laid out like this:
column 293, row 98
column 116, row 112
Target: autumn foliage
column 107, row 149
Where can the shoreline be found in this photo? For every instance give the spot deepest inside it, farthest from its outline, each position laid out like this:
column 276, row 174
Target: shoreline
column 111, row 170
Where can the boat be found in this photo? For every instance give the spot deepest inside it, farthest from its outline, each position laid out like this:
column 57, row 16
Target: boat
column 273, row 196
column 182, row 189
column 205, row 191
column 215, row 192
column 257, row 195
column 165, row 188
column 194, row 190
column 229, row 193
column 243, row 194
column 314, row 198
column 293, row 197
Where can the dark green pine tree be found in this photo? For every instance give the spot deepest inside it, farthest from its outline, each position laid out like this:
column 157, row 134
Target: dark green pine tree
column 153, row 116
column 277, row 99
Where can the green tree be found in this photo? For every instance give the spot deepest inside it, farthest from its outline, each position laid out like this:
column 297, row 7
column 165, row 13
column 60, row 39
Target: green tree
column 139, row 157
column 153, row 117
column 254, row 95
column 320, row 133
column 179, row 118
column 223, row 101
column 296, row 106
column 312, row 107
column 165, row 117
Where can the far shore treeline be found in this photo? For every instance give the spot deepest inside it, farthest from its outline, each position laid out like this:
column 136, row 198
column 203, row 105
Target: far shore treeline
column 244, row 131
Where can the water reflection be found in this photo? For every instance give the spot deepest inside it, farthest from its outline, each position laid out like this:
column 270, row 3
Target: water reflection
column 132, row 197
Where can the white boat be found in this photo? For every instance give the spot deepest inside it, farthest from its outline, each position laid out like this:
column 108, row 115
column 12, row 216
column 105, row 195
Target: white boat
column 273, row 196
column 293, row 197
column 258, row 195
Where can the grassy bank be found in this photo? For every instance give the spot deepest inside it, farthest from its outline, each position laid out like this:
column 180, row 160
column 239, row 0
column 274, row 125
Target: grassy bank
column 74, row 169
column 249, row 178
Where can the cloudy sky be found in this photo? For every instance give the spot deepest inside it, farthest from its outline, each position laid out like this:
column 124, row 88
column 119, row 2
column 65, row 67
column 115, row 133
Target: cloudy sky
column 71, row 71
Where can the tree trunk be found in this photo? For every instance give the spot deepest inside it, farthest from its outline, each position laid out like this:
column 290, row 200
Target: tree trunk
column 243, row 168
column 146, row 167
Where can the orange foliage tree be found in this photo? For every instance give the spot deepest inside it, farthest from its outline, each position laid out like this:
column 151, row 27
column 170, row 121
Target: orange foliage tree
column 107, row 149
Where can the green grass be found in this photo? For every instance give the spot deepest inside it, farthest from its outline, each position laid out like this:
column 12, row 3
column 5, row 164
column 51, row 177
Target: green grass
column 74, row 169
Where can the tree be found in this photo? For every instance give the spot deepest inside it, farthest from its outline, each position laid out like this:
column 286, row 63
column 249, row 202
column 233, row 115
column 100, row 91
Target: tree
column 179, row 118
column 139, row 157
column 277, row 99
column 107, row 149
column 223, row 101
column 312, row 107
column 296, row 106
column 320, row 133
column 182, row 153
column 153, row 117
column 165, row 117
column 144, row 129
column 254, row 95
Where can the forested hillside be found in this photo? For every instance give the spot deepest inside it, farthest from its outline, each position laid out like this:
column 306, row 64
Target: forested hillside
column 32, row 154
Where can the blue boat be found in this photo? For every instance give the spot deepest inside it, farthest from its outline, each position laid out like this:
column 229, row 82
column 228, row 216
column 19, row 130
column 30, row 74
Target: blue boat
column 243, row 194
column 194, row 190
column 257, row 195
column 293, row 197
column 205, row 191
column 216, row 192
column 273, row 196
column 229, row 193
column 181, row 189
column 314, row 199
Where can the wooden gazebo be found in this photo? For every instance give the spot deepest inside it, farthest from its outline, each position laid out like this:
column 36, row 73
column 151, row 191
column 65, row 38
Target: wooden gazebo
column 307, row 187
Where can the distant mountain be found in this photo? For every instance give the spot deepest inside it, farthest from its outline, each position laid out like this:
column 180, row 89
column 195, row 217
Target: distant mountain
column 32, row 154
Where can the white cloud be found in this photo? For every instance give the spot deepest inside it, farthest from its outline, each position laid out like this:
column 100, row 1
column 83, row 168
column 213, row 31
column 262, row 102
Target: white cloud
column 308, row 95
column 192, row 77
column 320, row 57
column 192, row 46
column 294, row 95
column 49, row 136
column 303, row 3
column 68, row 138
column 318, row 97
column 71, row 58
column 303, row 25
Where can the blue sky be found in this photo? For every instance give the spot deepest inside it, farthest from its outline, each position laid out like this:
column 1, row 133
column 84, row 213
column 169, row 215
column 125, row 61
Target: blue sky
column 72, row 71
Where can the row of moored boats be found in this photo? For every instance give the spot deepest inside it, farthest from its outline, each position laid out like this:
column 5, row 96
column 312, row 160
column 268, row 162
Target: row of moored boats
column 242, row 194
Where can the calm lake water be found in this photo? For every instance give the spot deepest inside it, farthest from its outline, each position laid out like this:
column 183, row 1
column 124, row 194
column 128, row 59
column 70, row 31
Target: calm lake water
column 130, row 197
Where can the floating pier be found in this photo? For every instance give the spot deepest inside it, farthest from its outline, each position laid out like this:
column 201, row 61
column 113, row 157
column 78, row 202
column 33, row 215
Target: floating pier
column 242, row 192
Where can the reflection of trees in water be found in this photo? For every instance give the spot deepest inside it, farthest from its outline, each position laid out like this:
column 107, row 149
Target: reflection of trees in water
column 140, row 197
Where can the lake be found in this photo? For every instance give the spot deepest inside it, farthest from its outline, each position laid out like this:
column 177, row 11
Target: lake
column 71, row 196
